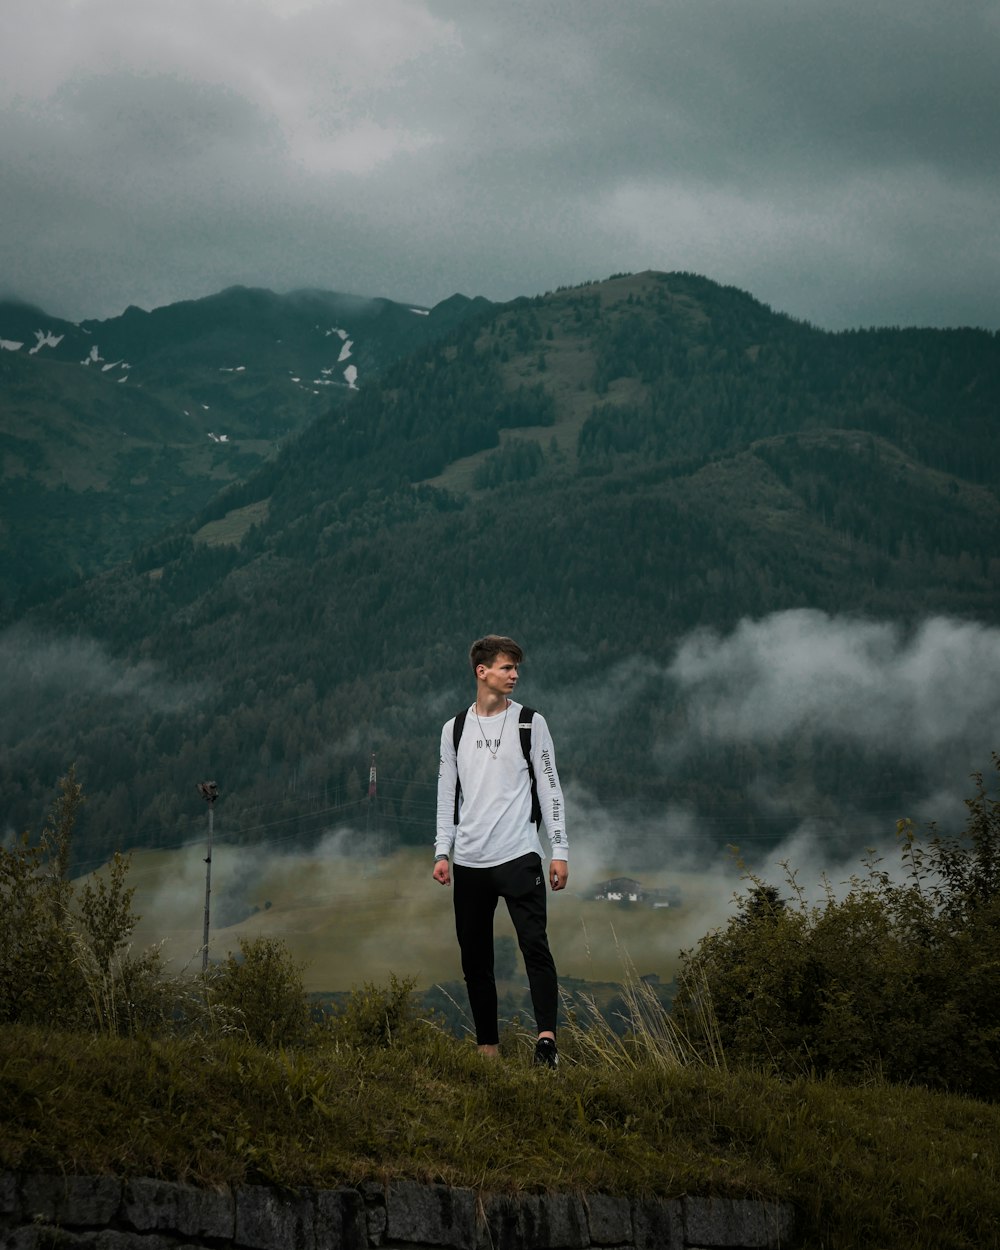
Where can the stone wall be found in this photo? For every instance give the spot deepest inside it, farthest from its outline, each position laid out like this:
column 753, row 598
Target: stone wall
column 102, row 1213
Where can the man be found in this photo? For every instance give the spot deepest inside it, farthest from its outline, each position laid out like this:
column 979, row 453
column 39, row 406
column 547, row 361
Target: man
column 493, row 843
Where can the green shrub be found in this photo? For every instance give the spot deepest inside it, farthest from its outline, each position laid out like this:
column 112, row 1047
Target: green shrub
column 38, row 975
column 896, row 980
column 42, row 979
column 65, row 960
column 375, row 1016
column 260, row 993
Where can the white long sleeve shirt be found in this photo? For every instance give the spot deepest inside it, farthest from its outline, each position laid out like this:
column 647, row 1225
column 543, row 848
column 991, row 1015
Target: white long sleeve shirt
column 494, row 822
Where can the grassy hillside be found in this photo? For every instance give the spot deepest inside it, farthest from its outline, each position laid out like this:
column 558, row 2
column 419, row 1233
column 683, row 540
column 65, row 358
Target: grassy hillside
column 351, row 919
column 876, row 1166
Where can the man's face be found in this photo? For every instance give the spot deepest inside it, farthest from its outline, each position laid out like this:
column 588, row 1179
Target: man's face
column 501, row 676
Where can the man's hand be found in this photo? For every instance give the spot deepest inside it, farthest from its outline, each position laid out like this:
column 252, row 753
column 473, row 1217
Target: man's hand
column 442, row 872
column 558, row 874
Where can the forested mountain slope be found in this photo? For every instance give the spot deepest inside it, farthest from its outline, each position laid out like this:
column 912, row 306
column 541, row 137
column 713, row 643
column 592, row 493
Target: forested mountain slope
column 111, row 431
column 598, row 471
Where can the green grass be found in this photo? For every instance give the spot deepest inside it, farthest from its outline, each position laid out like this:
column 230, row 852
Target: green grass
column 876, row 1166
column 231, row 528
column 393, row 916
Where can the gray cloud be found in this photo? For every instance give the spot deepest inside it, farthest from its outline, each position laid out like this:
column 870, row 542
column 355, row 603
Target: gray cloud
column 917, row 695
column 926, row 700
column 835, row 159
column 42, row 675
column 921, row 704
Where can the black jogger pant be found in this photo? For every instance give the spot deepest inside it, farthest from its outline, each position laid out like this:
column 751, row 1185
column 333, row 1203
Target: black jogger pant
column 521, row 883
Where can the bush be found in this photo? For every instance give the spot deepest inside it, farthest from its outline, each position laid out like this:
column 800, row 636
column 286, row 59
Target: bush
column 375, row 1016
column 55, row 952
column 894, row 980
column 38, row 976
column 260, row 992
column 65, row 959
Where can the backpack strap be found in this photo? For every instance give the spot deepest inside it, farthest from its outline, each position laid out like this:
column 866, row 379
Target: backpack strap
column 456, row 737
column 524, row 731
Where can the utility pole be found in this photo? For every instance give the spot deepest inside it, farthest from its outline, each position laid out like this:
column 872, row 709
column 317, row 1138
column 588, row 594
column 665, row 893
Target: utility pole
column 209, row 791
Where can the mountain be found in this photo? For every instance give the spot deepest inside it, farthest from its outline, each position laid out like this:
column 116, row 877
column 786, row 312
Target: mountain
column 599, row 472
column 111, row 431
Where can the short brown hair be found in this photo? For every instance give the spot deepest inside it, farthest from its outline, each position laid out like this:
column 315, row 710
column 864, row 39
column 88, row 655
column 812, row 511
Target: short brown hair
column 485, row 650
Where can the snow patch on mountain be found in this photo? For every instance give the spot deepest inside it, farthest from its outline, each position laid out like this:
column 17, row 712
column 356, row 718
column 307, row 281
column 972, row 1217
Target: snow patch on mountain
column 421, row 312
column 350, row 373
column 45, row 339
column 8, row 345
column 94, row 358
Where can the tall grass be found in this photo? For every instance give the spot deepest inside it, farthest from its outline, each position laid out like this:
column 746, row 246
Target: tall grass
column 651, row 1035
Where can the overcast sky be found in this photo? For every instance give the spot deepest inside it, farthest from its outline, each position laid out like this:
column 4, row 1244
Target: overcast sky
column 839, row 159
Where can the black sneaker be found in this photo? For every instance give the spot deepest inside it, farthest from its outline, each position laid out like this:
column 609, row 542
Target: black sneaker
column 546, row 1054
